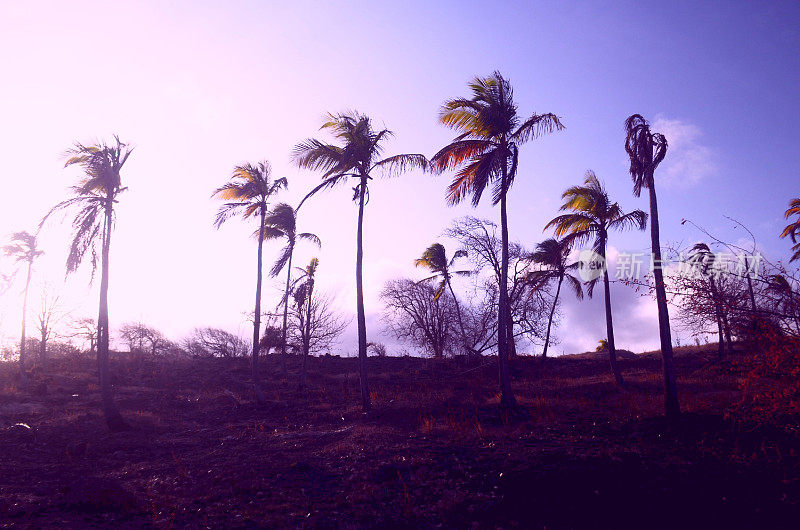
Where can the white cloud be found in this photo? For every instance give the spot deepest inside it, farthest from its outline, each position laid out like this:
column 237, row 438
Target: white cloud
column 688, row 160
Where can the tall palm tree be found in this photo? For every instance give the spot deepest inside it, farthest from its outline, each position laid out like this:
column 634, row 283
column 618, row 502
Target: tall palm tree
column 704, row 259
column 357, row 156
column 248, row 192
column 646, row 150
column 23, row 248
column 435, row 260
column 303, row 293
column 282, row 223
column 793, row 229
column 486, row 152
column 95, row 197
column 552, row 254
column 593, row 217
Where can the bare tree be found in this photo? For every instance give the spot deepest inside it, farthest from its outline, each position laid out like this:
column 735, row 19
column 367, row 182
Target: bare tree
column 142, row 338
column 215, row 342
column 49, row 315
column 480, row 241
column 414, row 316
column 85, row 329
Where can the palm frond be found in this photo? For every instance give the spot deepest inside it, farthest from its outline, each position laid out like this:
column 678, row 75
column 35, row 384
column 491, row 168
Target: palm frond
column 397, row 164
column 537, row 125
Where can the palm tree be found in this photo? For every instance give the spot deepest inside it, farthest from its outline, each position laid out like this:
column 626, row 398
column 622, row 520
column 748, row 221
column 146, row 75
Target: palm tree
column 646, row 151
column 247, row 193
column 486, row 151
column 435, row 260
column 594, row 215
column 282, row 223
column 23, row 249
column 303, row 293
column 95, row 197
column 357, row 157
column 552, row 254
column 705, row 259
column 793, row 229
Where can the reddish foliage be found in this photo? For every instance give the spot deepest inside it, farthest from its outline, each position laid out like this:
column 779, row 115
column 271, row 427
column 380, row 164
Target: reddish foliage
column 771, row 381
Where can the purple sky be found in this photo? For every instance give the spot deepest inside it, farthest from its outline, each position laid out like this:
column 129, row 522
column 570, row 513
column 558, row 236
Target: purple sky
column 198, row 87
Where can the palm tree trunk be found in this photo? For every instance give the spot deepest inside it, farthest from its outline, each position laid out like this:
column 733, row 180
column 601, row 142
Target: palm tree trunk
column 512, row 343
column 612, row 349
column 467, row 347
column 672, row 408
column 366, row 403
column 507, row 400
column 113, row 418
column 718, row 317
column 306, row 340
column 550, row 320
column 286, row 309
column 257, row 315
column 43, row 349
column 24, row 378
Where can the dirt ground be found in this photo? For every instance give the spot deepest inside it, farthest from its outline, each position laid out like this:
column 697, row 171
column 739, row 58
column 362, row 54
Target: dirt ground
column 434, row 453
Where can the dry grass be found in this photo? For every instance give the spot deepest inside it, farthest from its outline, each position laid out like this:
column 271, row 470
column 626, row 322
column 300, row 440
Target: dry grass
column 435, row 449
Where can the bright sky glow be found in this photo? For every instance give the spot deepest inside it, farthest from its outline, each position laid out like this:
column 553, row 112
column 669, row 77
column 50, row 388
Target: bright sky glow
column 199, row 87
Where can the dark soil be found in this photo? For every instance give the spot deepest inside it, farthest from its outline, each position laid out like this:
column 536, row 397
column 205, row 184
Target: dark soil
column 435, row 452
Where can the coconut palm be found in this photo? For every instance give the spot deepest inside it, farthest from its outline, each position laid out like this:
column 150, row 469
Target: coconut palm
column 247, row 194
column 646, row 150
column 593, row 217
column 23, row 248
column 486, row 152
column 303, row 292
column 435, row 260
column 95, row 197
column 704, row 259
column 793, row 229
column 282, row 223
column 357, row 156
column 552, row 254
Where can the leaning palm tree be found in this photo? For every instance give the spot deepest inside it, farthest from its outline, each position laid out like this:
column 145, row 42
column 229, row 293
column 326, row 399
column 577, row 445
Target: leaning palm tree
column 704, row 259
column 247, row 193
column 303, row 293
column 594, row 215
column 552, row 254
column 435, row 260
column 646, row 150
column 23, row 249
column 793, row 229
column 357, row 156
column 282, row 223
column 95, row 197
column 486, row 152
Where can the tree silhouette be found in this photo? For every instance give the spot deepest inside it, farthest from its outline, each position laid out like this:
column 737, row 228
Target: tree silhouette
column 552, row 254
column 95, row 197
column 793, row 229
column 486, row 152
column 23, row 248
column 247, row 192
column 282, row 223
column 435, row 260
column 357, row 157
column 646, row 150
column 303, row 297
column 594, row 215
column 704, row 259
